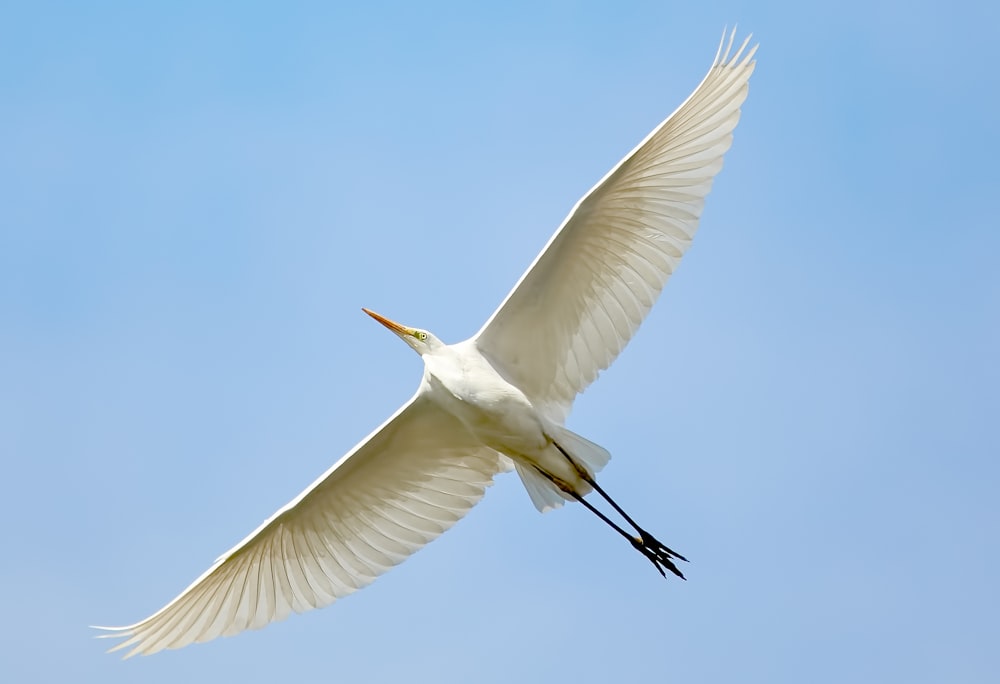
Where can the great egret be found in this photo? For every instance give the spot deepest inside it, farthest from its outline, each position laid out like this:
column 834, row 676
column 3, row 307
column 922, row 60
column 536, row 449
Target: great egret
column 495, row 400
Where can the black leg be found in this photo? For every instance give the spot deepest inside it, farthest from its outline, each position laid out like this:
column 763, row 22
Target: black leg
column 648, row 541
column 656, row 556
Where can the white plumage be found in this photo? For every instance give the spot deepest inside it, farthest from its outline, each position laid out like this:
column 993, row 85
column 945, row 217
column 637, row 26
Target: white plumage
column 497, row 398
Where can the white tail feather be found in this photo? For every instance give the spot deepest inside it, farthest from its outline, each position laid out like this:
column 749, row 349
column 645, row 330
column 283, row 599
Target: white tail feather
column 592, row 457
column 542, row 493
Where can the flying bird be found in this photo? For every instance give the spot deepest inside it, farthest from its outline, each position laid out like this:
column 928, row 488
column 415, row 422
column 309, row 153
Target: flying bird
column 496, row 401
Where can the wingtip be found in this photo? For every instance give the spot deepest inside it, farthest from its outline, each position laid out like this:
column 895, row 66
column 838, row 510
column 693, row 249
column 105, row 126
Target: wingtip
column 111, row 631
column 725, row 56
column 126, row 633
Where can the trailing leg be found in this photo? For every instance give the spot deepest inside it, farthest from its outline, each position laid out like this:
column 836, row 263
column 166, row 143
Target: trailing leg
column 645, row 541
column 661, row 561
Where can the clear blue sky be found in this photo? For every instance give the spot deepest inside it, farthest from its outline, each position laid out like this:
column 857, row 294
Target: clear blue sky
column 195, row 202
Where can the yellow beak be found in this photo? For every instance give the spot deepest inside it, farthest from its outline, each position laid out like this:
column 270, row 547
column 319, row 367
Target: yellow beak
column 391, row 325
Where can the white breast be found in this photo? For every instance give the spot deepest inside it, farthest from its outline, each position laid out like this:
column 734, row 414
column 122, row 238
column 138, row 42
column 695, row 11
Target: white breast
column 463, row 383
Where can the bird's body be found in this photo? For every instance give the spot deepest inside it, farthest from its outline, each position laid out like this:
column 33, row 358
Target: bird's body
column 460, row 380
column 498, row 415
column 496, row 400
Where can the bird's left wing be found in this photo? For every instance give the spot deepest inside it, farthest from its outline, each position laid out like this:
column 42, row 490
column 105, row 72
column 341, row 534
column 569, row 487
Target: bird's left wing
column 408, row 482
column 579, row 303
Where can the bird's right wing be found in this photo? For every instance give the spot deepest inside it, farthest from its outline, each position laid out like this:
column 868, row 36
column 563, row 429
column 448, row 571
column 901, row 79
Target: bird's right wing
column 585, row 295
column 408, row 482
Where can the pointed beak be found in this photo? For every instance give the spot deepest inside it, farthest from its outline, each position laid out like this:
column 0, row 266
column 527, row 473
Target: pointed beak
column 391, row 325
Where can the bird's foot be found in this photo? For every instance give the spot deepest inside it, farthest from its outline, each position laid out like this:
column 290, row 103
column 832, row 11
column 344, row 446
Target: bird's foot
column 662, row 557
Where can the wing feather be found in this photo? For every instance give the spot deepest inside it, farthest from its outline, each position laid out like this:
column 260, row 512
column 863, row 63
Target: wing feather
column 408, row 482
column 580, row 302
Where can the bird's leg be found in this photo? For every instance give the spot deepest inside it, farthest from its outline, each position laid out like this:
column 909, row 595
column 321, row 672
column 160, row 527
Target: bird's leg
column 663, row 553
column 645, row 542
column 659, row 560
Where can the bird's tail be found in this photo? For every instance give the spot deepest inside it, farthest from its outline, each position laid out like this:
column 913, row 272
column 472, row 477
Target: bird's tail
column 585, row 454
column 593, row 457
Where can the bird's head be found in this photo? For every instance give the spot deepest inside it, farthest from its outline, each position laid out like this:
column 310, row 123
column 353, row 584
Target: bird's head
column 421, row 341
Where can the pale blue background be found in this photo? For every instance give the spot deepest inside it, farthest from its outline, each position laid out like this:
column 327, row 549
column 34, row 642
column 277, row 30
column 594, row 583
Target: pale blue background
column 196, row 201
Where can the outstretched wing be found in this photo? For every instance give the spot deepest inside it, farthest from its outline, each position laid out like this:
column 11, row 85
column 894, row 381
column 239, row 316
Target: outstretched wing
column 408, row 482
column 579, row 303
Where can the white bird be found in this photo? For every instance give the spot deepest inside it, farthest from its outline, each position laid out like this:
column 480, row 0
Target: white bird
column 496, row 399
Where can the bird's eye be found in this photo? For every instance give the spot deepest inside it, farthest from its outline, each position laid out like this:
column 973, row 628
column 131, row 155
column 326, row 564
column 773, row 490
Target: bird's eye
column 422, row 336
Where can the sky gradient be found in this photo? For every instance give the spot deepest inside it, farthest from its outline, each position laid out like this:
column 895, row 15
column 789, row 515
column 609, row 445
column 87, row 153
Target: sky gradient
column 196, row 201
